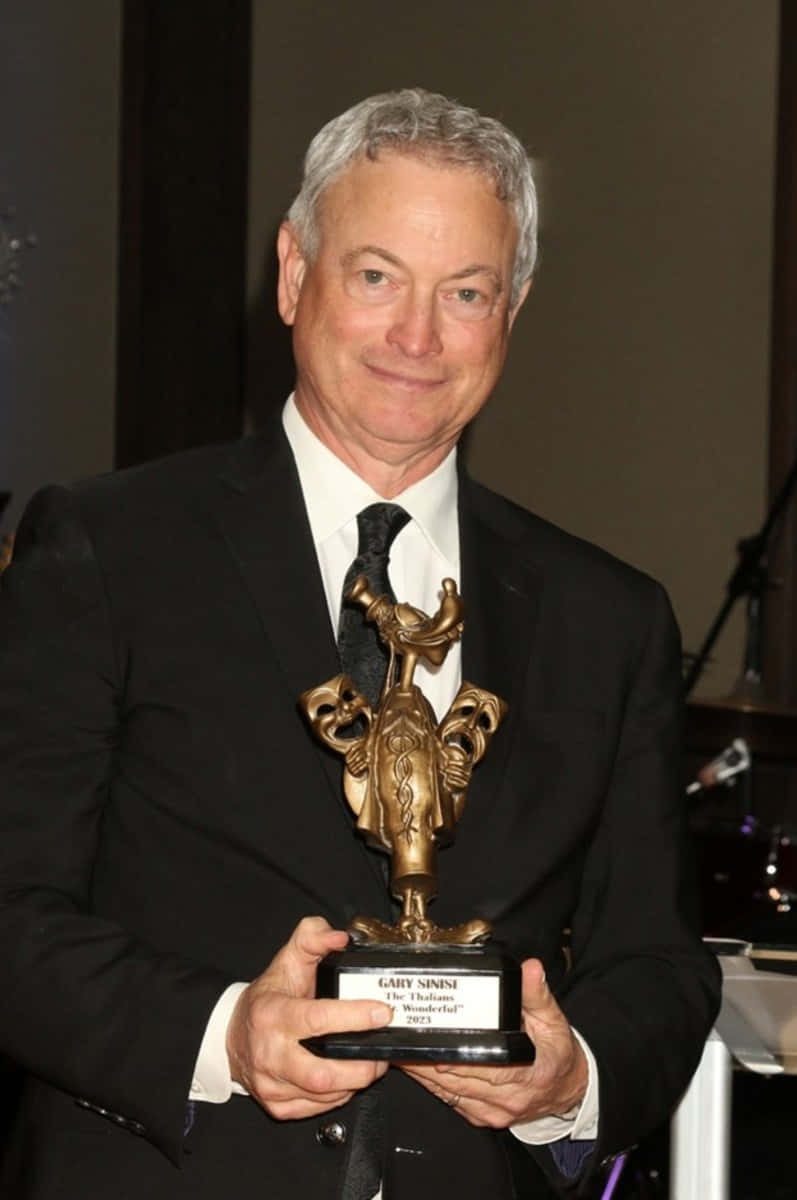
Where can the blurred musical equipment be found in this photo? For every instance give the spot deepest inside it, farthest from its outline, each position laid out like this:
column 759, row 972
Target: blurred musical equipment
column 748, row 881
column 768, row 729
column 747, row 860
column 723, row 769
column 746, row 843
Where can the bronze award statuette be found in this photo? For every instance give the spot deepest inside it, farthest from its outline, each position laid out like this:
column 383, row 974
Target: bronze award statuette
column 455, row 996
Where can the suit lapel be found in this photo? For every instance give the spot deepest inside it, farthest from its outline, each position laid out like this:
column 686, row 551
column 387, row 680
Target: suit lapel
column 262, row 517
column 501, row 587
column 260, row 511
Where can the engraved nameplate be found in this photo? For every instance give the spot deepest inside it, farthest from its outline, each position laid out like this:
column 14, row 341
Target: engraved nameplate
column 437, row 999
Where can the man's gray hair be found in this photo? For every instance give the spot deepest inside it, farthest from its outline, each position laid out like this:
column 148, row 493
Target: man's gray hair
column 429, row 126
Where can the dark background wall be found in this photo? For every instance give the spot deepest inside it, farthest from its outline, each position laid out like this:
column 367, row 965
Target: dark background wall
column 59, row 157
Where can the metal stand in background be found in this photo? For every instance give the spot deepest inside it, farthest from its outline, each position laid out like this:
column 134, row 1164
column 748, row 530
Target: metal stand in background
column 749, row 578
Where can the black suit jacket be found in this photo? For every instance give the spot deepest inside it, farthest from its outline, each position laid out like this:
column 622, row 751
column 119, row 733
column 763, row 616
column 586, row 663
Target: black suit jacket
column 167, row 818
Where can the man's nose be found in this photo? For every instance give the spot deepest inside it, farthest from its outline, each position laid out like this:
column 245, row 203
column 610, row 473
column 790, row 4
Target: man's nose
column 415, row 329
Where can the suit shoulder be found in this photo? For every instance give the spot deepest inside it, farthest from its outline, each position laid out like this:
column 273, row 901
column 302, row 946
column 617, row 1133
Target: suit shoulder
column 559, row 553
column 165, row 477
column 171, row 486
column 154, row 501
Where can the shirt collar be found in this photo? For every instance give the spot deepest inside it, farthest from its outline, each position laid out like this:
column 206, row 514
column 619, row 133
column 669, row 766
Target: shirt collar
column 334, row 494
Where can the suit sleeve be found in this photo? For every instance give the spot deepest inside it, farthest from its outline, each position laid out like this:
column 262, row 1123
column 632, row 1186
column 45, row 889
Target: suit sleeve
column 85, row 1006
column 643, row 991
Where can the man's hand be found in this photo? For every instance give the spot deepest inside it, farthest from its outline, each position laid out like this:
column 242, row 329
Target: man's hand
column 277, row 1009
column 498, row 1097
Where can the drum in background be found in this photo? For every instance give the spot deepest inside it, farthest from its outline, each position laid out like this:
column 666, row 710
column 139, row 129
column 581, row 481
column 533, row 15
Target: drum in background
column 748, row 881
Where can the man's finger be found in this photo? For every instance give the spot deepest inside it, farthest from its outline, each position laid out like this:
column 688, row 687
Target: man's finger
column 293, row 968
column 475, row 1100
column 274, row 1066
column 341, row 1016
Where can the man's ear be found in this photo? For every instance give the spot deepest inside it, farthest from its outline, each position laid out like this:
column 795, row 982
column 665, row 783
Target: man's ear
column 292, row 267
column 513, row 312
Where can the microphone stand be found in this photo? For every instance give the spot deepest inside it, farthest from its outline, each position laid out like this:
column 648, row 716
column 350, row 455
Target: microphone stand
column 748, row 578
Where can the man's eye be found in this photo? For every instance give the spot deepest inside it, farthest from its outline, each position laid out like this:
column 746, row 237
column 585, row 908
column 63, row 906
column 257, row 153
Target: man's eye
column 469, row 295
column 373, row 277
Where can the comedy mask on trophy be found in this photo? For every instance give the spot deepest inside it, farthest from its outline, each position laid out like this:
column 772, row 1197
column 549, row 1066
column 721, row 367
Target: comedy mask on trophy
column 455, row 996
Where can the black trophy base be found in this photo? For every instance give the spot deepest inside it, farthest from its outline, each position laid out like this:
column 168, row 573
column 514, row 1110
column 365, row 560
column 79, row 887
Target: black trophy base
column 455, row 1004
column 431, row 1045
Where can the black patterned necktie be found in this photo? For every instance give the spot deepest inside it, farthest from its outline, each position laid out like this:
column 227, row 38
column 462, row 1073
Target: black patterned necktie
column 362, row 654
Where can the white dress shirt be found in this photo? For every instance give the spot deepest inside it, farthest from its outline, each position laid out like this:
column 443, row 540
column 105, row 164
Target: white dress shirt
column 424, row 552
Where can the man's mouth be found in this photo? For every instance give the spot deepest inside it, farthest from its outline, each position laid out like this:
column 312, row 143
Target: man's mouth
column 405, row 379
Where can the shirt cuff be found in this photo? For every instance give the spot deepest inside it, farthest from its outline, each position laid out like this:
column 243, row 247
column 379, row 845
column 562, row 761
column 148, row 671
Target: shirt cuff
column 212, row 1081
column 582, row 1126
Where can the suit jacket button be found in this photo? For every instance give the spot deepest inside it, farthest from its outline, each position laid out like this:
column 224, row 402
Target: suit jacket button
column 332, row 1133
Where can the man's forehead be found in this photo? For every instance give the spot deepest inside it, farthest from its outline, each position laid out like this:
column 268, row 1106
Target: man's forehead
column 349, row 195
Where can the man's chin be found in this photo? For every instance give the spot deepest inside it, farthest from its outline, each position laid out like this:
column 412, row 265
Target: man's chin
column 403, row 434
column 397, row 448
column 403, row 418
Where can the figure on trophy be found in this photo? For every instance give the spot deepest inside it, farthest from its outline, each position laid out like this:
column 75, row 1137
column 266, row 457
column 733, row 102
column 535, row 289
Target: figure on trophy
column 405, row 776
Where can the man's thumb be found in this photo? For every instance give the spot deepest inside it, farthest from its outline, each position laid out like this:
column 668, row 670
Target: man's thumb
column 536, row 995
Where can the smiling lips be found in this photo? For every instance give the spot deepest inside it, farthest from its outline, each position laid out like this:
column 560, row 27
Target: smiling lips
column 412, row 382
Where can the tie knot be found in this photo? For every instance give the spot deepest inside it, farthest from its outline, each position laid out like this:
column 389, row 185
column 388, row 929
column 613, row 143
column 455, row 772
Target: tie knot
column 377, row 526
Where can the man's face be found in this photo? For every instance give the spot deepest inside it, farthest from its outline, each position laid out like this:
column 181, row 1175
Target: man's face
column 401, row 322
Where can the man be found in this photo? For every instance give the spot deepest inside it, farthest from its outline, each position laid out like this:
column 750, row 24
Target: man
column 177, row 854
